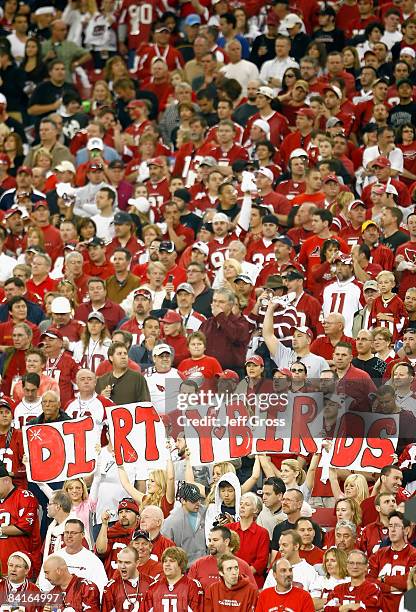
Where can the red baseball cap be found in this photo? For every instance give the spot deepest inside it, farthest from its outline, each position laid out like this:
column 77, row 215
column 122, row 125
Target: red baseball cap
column 41, row 203
column 128, row 504
column 156, row 161
column 256, row 359
column 381, row 162
column 331, row 177
column 172, row 316
column 306, row 112
column 24, row 170
column 144, row 292
column 52, row 332
column 284, row 371
column 229, row 375
column 345, row 259
column 136, row 104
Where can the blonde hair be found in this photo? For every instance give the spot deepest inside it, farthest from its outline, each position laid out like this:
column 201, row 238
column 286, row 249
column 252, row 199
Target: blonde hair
column 386, row 274
column 354, row 506
column 361, row 485
column 342, row 201
column 341, row 559
column 294, row 465
column 155, row 499
column 225, row 467
column 82, row 483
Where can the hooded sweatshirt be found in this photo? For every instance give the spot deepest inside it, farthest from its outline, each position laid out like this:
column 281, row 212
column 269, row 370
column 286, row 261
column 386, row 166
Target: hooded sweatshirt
column 217, row 508
column 220, row 598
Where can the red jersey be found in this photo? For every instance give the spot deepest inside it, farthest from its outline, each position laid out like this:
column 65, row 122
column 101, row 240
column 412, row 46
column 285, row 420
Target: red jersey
column 184, row 596
column 293, row 141
column 63, row 369
column 393, row 307
column 38, row 290
column 157, row 194
column 323, row 346
column 178, row 273
column 188, row 158
column 368, row 509
column 134, row 327
column 20, row 509
column 53, row 244
column 368, row 595
column 394, row 566
column 308, row 310
column 260, row 252
column 227, row 158
column 79, row 595
column 205, row 570
column 294, row 599
column 290, row 188
column 11, row 454
column 372, row 536
column 10, row 595
column 407, row 277
column 279, row 127
column 172, row 57
column 383, row 256
column 160, row 544
column 313, row 556
column 186, row 232
column 310, row 256
column 126, row 595
column 14, row 366
column 104, row 271
column 409, row 160
column 117, row 539
column 151, row 568
column 137, row 17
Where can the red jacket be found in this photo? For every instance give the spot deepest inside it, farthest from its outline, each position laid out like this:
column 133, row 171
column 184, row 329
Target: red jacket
column 219, row 598
column 254, row 548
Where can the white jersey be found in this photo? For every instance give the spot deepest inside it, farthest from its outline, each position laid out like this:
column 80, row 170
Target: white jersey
column 345, row 298
column 159, row 384
column 93, row 407
column 91, row 357
column 303, row 573
column 26, row 412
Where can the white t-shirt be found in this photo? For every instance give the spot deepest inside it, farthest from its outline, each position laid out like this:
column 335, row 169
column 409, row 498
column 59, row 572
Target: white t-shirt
column 6, row 267
column 84, row 564
column 95, row 353
column 163, row 388
column 285, row 357
column 105, row 227
column 303, row 573
column 25, row 411
column 343, row 297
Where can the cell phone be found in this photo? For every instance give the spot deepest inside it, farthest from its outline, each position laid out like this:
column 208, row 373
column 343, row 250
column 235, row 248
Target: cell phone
column 170, row 278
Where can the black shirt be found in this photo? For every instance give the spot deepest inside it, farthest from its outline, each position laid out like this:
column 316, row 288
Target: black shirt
column 334, row 40
column 281, row 527
column 375, row 367
column 395, row 240
column 402, row 113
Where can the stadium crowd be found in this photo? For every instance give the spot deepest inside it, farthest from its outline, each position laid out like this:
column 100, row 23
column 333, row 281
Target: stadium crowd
column 207, row 194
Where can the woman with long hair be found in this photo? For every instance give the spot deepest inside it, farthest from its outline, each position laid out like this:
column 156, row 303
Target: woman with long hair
column 32, row 65
column 290, row 76
column 334, row 566
column 355, row 486
column 95, row 341
column 13, row 147
column 348, row 509
column 115, row 68
column 101, row 96
column 317, row 50
column 351, row 60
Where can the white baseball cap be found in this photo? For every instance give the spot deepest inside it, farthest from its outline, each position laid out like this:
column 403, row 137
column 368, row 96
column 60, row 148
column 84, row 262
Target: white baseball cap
column 266, row 172
column 61, row 305
column 95, row 143
column 220, row 217
column 298, row 153
column 263, row 125
column 202, row 247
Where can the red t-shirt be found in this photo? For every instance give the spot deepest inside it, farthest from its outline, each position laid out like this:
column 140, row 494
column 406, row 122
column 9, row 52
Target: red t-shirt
column 295, row 599
column 207, row 366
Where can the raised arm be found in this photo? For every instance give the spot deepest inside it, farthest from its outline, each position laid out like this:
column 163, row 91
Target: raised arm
column 255, row 475
column 127, row 486
column 270, row 339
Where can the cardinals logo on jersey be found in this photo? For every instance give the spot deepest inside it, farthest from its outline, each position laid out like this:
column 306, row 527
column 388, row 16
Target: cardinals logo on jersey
column 316, row 252
column 161, row 388
column 410, row 255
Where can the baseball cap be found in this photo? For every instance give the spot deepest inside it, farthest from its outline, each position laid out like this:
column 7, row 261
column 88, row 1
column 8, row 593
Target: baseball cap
column 182, row 194
column 270, row 219
column 159, row 349
column 331, row 177
column 95, row 143
column 144, row 292
column 61, row 305
column 298, row 153
column 285, row 239
column 275, row 281
column 12, row 211
column 116, row 163
column 367, row 224
column 185, row 287
column 127, row 503
column 333, row 122
column 404, row 82
column 208, row 160
column 408, row 51
column 171, row 316
column 263, row 125
column 381, row 162
column 304, row 85
column 35, row 248
column 167, row 245
column 245, row 278
column 23, row 556
column 343, row 258
column 290, row 21
column 336, row 90
column 391, row 189
column 65, row 190
column 39, row 204
column 156, row 161
column 95, row 241
column 65, row 166
column 266, row 172
column 193, row 20
column 71, row 245
column 327, row 10
column 228, row 375
column 202, row 247
column 52, row 332
column 305, row 112
column 378, row 188
column 122, row 217
column 189, row 492
column 356, row 204
column 140, row 533
column 303, row 330
column 295, row 275
column 95, row 314
column 24, row 170
column 162, row 28
column 136, row 104
column 266, row 91
column 256, row 359
column 218, row 217
column 370, row 284
column 5, row 404
column 94, row 165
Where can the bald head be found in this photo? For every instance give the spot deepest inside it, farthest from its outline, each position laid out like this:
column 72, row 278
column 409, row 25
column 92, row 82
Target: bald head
column 56, row 570
column 151, row 520
column 283, row 574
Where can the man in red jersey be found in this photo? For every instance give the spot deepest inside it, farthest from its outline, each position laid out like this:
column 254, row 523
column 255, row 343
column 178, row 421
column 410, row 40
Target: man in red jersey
column 40, row 281
column 19, row 525
column 205, row 569
column 232, row 589
column 308, row 307
column 15, row 588
column 284, row 596
column 261, row 251
column 191, row 154
column 390, row 565
column 374, row 533
column 11, row 444
column 405, row 262
column 313, row 189
column 173, row 590
column 356, row 212
column 127, row 590
column 151, row 520
column 146, row 562
column 13, row 361
column 97, row 264
column 135, row 24
column 53, row 244
column 111, row 539
column 381, row 167
column 70, row 591
column 380, row 254
column 301, row 137
column 124, row 230
column 59, row 365
column 281, row 205
column 391, row 479
column 138, row 111
column 279, row 125
column 159, row 48
column 157, row 184
column 358, row 594
column 295, row 185
column 282, row 252
column 227, row 152
column 142, row 305
column 62, row 319
column 179, row 234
